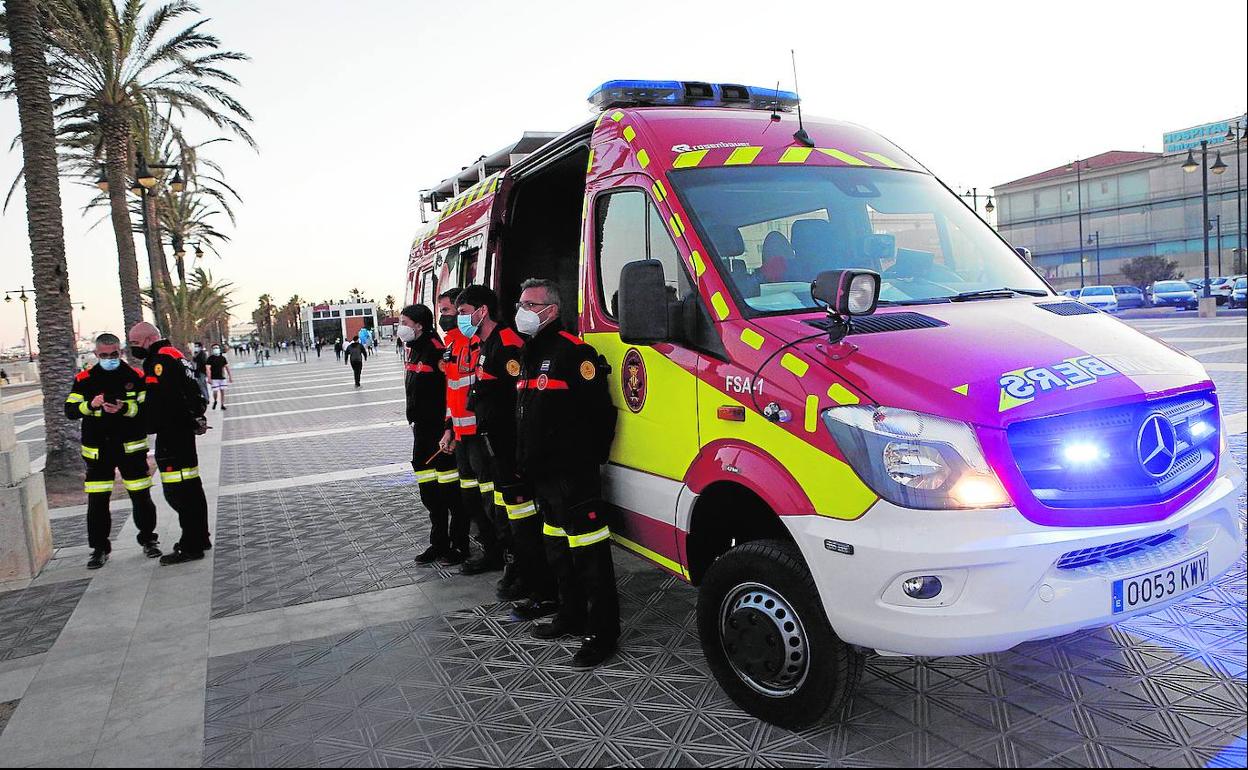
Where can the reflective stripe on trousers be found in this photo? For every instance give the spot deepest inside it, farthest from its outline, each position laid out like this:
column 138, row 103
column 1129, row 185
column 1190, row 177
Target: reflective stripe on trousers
column 524, row 511
column 424, row 477
column 135, row 446
column 597, row 536
column 551, row 531
column 173, row 477
column 137, row 485
column 449, row 477
column 91, row 487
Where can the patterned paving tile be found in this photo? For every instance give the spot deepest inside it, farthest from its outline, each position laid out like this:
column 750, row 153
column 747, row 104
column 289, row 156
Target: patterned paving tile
column 303, row 544
column 6, row 712
column 72, row 531
column 324, row 454
column 32, row 618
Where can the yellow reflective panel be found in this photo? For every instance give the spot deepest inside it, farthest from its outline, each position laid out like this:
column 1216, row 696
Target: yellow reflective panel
column 743, row 156
column 689, row 159
column 794, row 364
column 752, row 338
column 832, row 487
column 660, row 192
column 643, row 158
column 796, row 155
column 699, row 267
column 720, row 305
column 887, row 161
column 842, row 395
column 812, row 413
column 646, row 553
column 590, row 166
column 617, row 116
column 844, row 157
column 629, row 134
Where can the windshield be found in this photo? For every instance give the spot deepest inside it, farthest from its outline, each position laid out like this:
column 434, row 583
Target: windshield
column 1242, row 283
column 1094, row 291
column 1173, row 286
column 772, row 230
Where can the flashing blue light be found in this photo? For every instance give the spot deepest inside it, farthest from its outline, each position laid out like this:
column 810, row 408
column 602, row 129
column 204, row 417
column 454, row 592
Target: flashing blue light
column 1082, row 453
column 677, row 93
column 1201, row 429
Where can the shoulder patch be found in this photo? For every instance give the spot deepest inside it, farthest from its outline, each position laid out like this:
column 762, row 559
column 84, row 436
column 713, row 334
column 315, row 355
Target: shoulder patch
column 510, row 338
column 513, row 368
column 159, row 370
column 572, row 338
column 82, row 375
column 588, row 370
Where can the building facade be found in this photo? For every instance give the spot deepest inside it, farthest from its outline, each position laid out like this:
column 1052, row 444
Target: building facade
column 1131, row 204
column 338, row 320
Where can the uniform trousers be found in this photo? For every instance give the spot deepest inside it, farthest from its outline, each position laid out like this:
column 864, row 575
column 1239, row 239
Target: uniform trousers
column 178, row 464
column 130, row 460
column 438, row 480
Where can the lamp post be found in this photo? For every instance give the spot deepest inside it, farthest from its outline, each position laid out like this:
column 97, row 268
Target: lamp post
column 1077, row 165
column 1235, row 134
column 8, row 297
column 1096, row 237
column 974, row 195
column 1190, row 165
column 144, row 182
column 1216, row 225
column 78, row 328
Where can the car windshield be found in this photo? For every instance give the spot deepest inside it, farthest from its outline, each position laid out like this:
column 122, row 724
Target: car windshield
column 1242, row 283
column 1172, row 286
column 1095, row 291
column 772, row 230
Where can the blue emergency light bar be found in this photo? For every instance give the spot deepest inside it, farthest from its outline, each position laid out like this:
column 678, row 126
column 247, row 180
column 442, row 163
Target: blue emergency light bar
column 677, row 93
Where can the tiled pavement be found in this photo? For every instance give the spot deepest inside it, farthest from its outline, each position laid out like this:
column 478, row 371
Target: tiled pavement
column 326, row 647
column 31, row 619
column 72, row 531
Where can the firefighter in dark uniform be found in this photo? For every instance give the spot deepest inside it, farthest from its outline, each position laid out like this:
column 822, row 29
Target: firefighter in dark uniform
column 436, row 475
column 175, row 411
column 566, row 423
column 109, row 398
column 492, row 399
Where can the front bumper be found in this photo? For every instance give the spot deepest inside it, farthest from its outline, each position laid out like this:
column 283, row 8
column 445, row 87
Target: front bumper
column 1001, row 583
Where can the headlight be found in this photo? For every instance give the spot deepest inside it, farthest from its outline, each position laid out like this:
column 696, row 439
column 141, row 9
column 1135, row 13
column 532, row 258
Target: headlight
column 916, row 460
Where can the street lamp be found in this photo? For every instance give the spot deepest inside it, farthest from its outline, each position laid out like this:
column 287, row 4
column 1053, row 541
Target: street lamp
column 1190, row 165
column 1096, row 237
column 1235, row 134
column 1216, row 223
column 1077, row 166
column 974, row 195
column 8, row 297
column 78, row 328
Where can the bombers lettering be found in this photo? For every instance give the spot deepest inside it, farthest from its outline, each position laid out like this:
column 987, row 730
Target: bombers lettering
column 714, row 146
column 1021, row 386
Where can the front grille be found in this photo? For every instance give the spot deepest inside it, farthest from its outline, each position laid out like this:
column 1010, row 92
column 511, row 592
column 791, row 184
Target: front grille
column 1102, row 554
column 1068, row 308
column 1117, row 477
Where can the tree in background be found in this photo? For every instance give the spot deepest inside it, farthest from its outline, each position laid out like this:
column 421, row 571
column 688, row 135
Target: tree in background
column 262, row 317
column 198, row 309
column 26, row 77
column 390, row 303
column 1141, row 271
column 111, row 71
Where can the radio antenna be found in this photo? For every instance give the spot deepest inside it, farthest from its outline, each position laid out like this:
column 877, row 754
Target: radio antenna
column 800, row 135
column 775, row 105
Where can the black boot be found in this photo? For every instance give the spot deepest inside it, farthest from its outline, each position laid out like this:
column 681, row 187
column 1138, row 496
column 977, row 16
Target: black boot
column 179, row 557
column 430, row 555
column 151, row 549
column 486, row 562
column 510, row 588
column 97, row 560
column 595, row 651
column 558, row 628
column 532, row 610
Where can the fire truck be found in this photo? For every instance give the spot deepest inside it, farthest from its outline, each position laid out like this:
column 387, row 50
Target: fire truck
column 849, row 412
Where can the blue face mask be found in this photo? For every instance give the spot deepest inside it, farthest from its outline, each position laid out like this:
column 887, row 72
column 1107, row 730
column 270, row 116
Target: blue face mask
column 109, row 364
column 466, row 326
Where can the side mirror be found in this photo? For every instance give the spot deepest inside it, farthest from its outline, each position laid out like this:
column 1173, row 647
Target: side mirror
column 643, row 303
column 847, row 293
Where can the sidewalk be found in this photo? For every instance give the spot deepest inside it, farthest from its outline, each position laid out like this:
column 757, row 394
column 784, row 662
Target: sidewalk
column 309, row 637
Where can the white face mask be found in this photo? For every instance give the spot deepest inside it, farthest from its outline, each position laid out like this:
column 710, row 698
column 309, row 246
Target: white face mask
column 216, row 351
column 527, row 322
column 406, row 333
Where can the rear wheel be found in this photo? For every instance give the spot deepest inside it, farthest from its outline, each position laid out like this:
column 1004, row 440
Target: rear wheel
column 768, row 640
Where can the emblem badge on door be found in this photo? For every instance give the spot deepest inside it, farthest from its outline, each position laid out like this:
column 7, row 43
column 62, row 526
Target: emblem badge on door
column 633, row 380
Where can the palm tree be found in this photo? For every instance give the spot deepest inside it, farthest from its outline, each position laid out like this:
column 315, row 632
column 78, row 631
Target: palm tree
column 112, row 71
column 390, row 302
column 57, row 347
column 197, row 307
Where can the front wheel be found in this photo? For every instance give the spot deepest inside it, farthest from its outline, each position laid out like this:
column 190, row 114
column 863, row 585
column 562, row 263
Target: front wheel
column 767, row 639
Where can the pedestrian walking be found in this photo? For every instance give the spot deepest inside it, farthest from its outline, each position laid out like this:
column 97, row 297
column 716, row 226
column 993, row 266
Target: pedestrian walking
column 565, row 425
column 175, row 413
column 219, row 376
column 320, row 342
column 355, row 354
column 508, row 502
column 109, row 399
column 200, row 359
column 338, row 349
column 461, row 435
column 436, row 475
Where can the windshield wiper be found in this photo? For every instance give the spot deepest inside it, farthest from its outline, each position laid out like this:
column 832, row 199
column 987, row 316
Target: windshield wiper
column 994, row 293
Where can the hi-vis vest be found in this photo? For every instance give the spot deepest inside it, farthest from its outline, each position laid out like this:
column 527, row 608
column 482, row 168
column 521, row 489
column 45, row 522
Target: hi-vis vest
column 461, row 373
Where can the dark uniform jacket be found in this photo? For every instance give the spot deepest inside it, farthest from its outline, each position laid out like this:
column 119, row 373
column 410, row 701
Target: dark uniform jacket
column 100, row 429
column 174, row 401
column 564, row 414
column 425, row 384
column 492, row 398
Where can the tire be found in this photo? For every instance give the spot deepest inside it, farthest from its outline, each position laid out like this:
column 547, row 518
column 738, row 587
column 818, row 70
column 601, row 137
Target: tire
column 738, row 588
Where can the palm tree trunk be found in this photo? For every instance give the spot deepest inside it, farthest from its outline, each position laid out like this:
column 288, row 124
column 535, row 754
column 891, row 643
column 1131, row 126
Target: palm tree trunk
column 156, row 266
column 116, row 162
column 53, row 314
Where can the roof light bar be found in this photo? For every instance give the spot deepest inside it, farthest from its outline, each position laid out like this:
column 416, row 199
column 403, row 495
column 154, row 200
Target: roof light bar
column 677, row 93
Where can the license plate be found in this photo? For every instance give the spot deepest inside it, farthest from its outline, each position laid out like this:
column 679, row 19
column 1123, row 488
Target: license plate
column 1159, row 585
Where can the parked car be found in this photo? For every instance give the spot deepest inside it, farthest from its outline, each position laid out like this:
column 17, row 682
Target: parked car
column 1178, row 294
column 1099, row 297
column 1073, row 293
column 1221, row 288
column 1129, row 296
column 1237, row 298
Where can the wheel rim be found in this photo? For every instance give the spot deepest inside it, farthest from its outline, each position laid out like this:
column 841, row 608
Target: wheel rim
column 764, row 640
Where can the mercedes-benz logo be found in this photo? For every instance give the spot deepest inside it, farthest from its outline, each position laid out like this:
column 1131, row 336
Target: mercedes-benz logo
column 1155, row 445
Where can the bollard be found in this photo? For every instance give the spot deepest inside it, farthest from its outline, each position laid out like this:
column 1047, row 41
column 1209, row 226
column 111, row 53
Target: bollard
column 1208, row 307
column 25, row 534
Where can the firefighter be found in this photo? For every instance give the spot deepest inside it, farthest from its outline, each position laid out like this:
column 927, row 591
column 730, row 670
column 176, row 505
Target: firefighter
column 460, row 436
column 435, row 470
column 175, row 413
column 108, row 399
column 492, row 400
column 566, row 423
